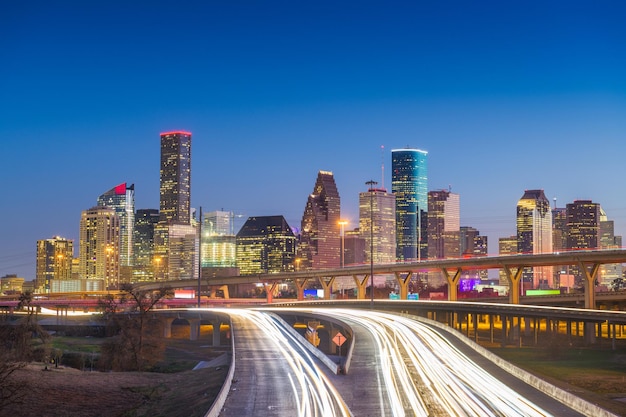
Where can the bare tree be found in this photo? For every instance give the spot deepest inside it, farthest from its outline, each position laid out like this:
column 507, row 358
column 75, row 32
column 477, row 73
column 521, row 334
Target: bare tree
column 137, row 344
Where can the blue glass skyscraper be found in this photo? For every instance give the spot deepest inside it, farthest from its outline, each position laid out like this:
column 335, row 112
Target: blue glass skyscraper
column 409, row 182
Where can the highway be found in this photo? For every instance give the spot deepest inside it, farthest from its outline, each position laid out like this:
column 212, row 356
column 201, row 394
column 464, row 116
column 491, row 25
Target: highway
column 408, row 368
column 274, row 374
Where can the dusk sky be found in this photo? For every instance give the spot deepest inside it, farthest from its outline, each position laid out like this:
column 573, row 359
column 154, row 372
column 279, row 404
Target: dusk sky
column 505, row 96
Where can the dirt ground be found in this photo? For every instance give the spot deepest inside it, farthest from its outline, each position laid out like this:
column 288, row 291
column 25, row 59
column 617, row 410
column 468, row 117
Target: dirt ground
column 63, row 392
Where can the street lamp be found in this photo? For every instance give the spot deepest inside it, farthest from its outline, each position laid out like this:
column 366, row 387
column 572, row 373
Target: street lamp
column 343, row 223
column 371, row 184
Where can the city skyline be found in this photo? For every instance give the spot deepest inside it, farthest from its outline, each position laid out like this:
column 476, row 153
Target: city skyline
column 504, row 99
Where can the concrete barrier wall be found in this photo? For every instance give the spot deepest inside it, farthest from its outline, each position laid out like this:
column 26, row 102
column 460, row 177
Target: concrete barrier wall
column 220, row 400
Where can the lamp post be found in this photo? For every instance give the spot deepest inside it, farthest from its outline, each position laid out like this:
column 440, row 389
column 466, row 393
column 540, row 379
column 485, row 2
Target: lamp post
column 342, row 224
column 371, row 184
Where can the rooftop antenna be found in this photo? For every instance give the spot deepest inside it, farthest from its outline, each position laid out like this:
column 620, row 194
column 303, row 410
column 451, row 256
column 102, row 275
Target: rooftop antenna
column 382, row 166
column 554, row 202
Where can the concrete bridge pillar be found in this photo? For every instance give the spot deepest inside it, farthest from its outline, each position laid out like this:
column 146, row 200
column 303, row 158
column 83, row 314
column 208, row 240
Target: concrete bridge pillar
column 167, row 326
column 403, row 283
column 327, row 286
column 453, row 283
column 504, row 330
column 513, row 276
column 361, row 286
column 270, row 289
column 217, row 324
column 300, row 286
column 194, row 329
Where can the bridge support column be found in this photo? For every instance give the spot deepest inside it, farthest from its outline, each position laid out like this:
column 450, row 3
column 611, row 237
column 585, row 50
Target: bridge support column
column 327, row 286
column 300, row 286
column 167, row 327
column 217, row 339
column 361, row 286
column 612, row 334
column 403, row 283
column 589, row 282
column 194, row 329
column 491, row 328
column 270, row 289
column 527, row 325
column 504, row 330
column 475, row 324
column 453, row 283
column 513, row 277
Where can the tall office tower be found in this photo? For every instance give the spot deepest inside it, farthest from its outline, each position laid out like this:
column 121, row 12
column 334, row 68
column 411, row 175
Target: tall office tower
column 219, row 248
column 121, row 198
column 99, row 246
column 583, row 230
column 444, row 225
column 175, row 204
column 320, row 241
column 506, row 246
column 265, row 244
column 383, row 216
column 608, row 240
column 54, row 262
column 356, row 248
column 473, row 244
column 559, row 243
column 534, row 235
column 409, row 183
column 144, row 266
column 174, row 232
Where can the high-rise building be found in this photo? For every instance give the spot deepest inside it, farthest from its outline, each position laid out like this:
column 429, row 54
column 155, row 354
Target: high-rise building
column 218, row 240
column 144, row 266
column 472, row 244
column 583, row 231
column 99, row 246
column 383, row 215
column 175, row 203
column 54, row 262
column 174, row 234
column 506, row 246
column 534, row 235
column 265, row 244
column 409, row 183
column 609, row 272
column 121, row 198
column 559, row 243
column 444, row 224
column 320, row 241
column 356, row 248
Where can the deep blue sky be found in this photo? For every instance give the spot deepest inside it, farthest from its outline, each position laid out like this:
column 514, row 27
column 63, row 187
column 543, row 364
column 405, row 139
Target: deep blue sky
column 505, row 96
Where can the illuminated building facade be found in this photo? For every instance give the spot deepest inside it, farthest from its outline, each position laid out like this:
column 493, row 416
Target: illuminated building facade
column 506, row 246
column 409, row 183
column 356, row 248
column 265, row 244
column 320, row 241
column 444, row 225
column 534, row 236
column 473, row 244
column 54, row 262
column 175, row 189
column 176, row 240
column 144, row 266
column 219, row 248
column 609, row 272
column 121, row 198
column 383, row 215
column 99, row 246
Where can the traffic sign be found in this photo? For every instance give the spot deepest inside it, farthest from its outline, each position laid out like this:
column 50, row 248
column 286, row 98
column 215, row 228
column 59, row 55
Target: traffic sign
column 339, row 339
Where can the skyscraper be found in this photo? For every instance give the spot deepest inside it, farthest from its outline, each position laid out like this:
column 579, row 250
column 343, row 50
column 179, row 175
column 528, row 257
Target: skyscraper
column 218, row 240
column 265, row 244
column 444, row 224
column 583, row 230
column 121, row 198
column 54, row 262
column 99, row 246
column 175, row 203
column 472, row 243
column 320, row 241
column 534, row 235
column 174, row 234
column 383, row 215
column 608, row 240
column 144, row 266
column 409, row 183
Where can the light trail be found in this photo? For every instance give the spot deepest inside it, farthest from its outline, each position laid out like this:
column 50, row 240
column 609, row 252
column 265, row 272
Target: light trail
column 314, row 394
column 426, row 375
